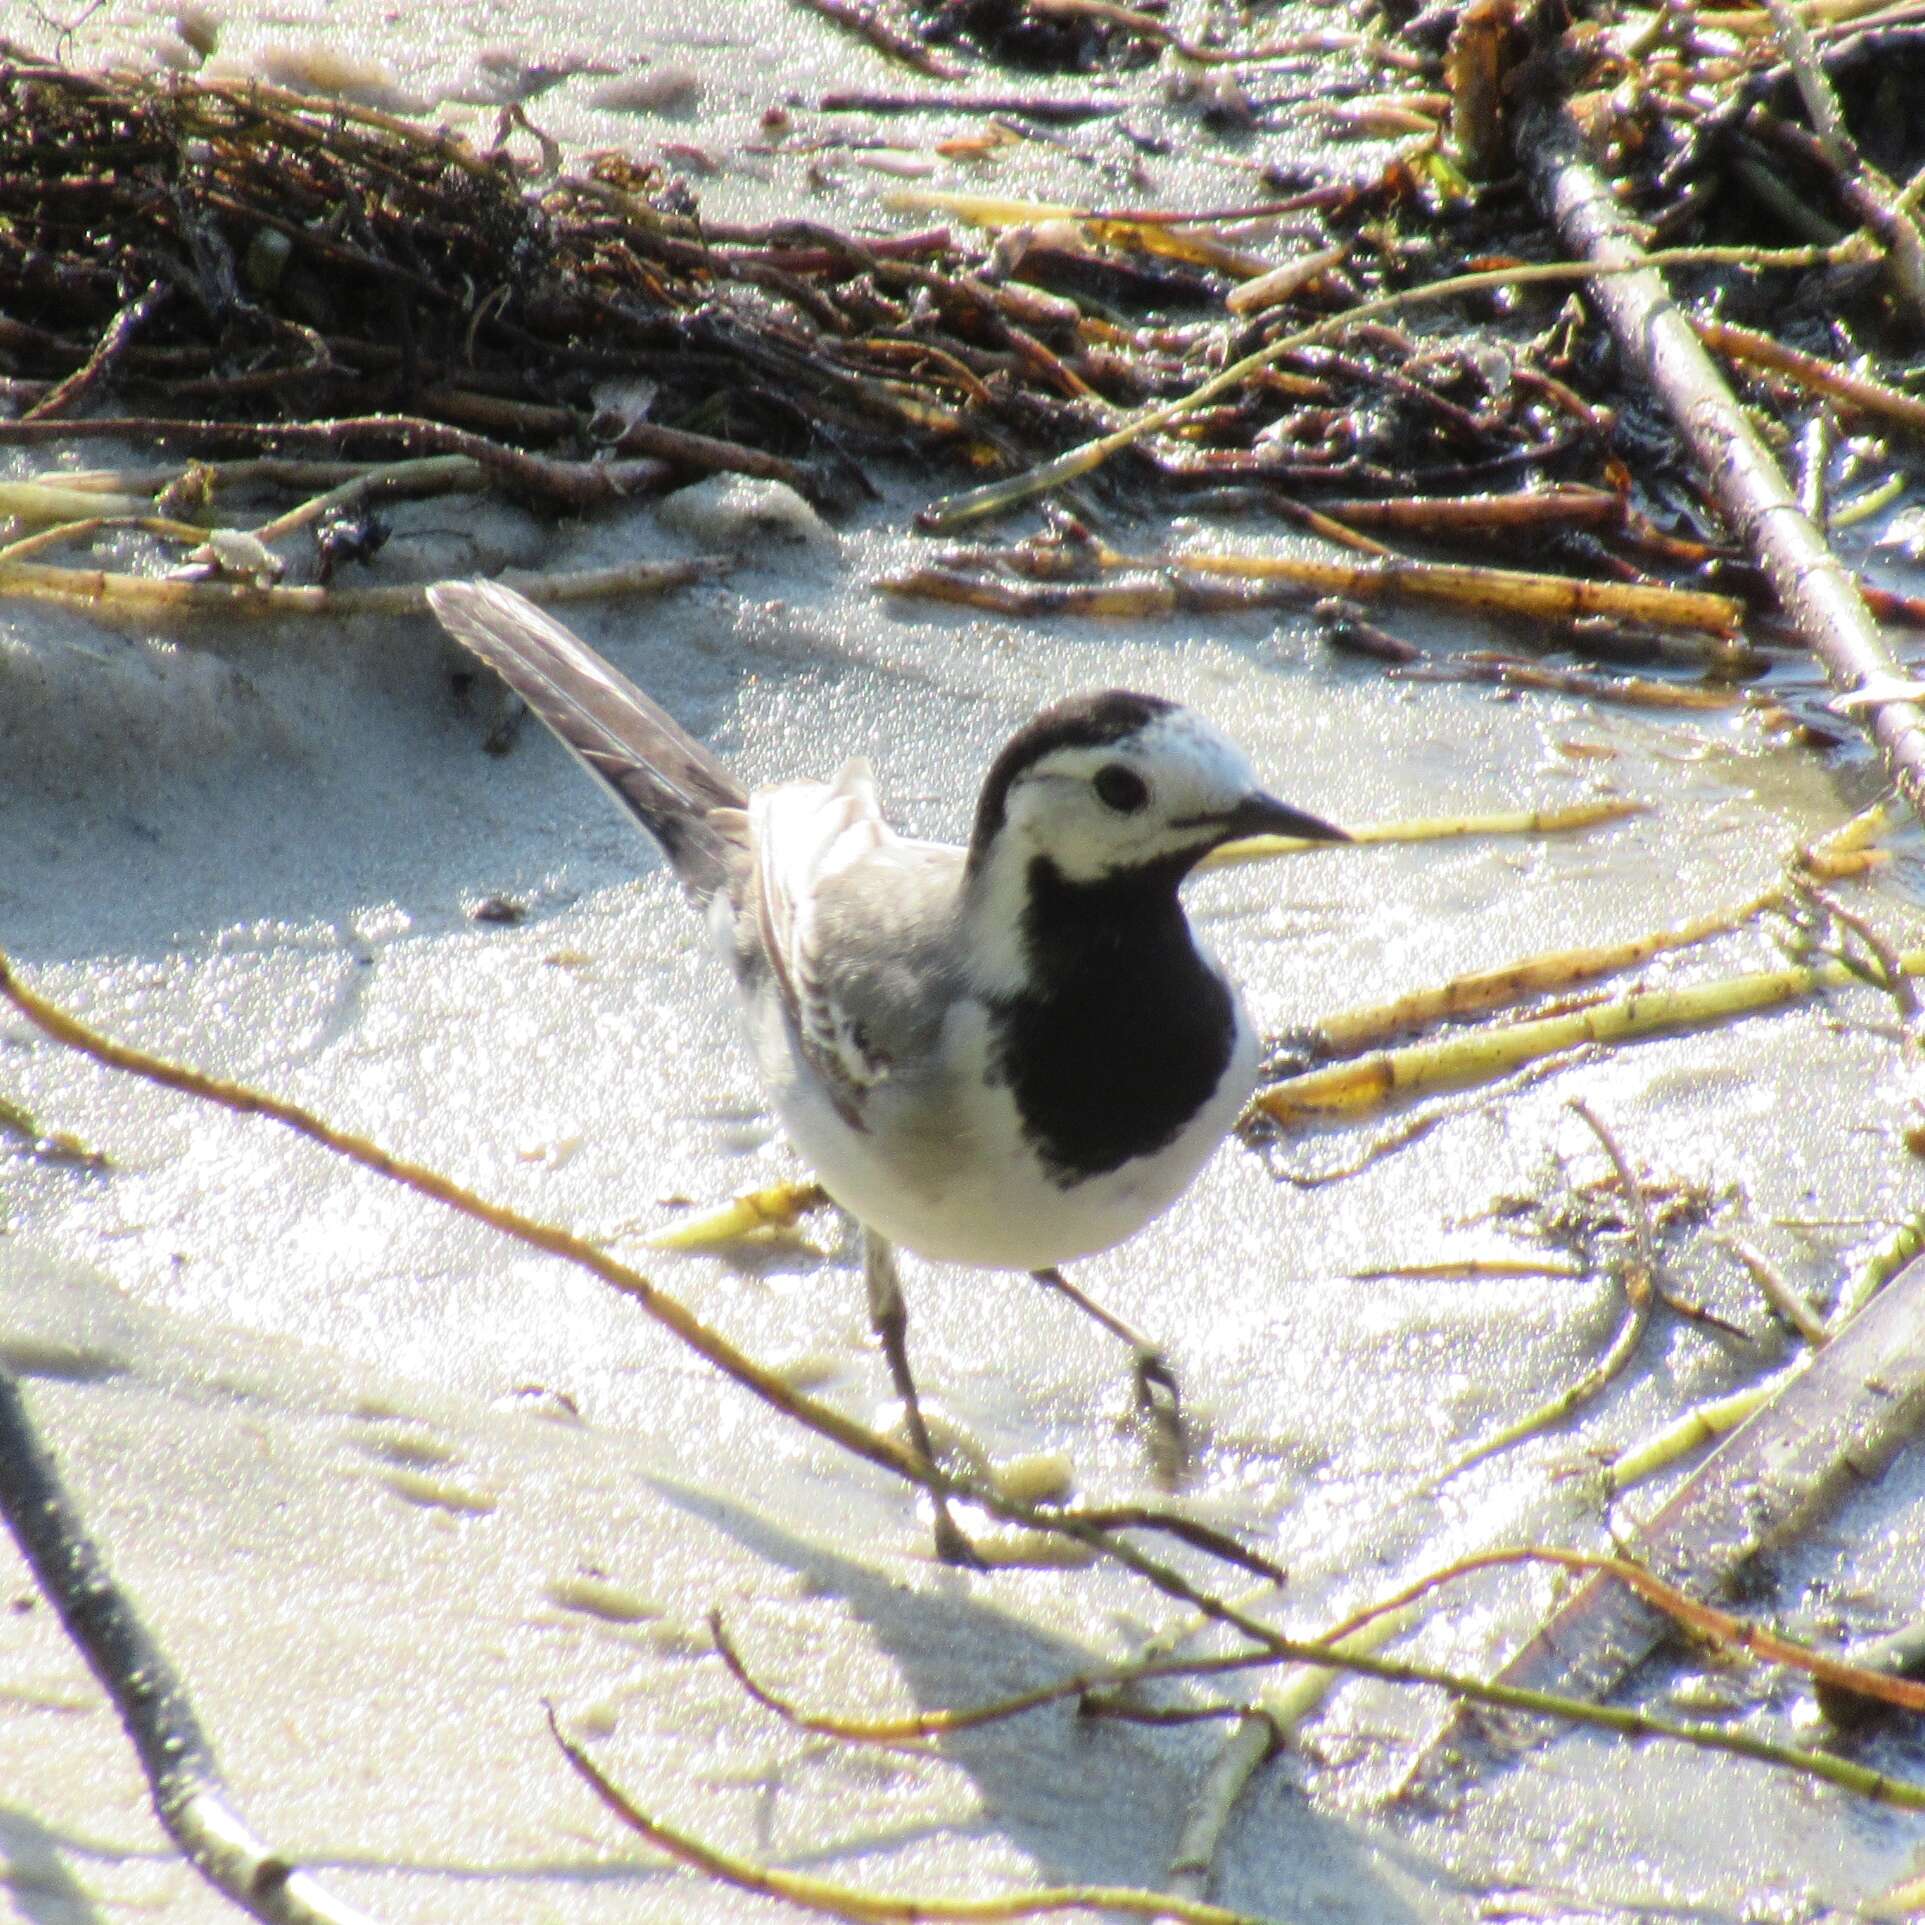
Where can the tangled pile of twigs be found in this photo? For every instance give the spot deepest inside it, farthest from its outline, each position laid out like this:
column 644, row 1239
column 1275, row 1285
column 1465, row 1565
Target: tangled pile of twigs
column 229, row 261
column 1385, row 355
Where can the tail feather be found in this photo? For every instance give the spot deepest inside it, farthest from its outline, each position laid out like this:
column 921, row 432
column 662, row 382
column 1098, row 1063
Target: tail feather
column 651, row 765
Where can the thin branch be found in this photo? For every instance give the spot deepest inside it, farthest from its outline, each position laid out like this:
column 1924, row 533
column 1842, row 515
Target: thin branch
column 190, row 1798
column 1724, row 1628
column 1241, row 1756
column 145, row 597
column 120, row 331
column 1817, row 593
column 847, row 1902
column 1857, row 391
column 1784, row 1301
column 868, row 22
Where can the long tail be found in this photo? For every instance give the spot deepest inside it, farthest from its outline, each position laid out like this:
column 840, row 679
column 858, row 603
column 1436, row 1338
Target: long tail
column 651, row 765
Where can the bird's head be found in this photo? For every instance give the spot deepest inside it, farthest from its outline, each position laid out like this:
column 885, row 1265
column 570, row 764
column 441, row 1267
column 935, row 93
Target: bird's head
column 1105, row 786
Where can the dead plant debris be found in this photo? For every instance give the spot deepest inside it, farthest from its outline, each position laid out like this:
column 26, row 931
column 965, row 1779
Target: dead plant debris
column 228, row 270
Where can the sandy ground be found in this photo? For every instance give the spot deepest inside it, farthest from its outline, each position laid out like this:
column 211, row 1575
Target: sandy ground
column 387, row 1485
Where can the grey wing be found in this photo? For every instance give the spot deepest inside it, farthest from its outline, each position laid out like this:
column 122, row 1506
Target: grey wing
column 686, row 799
column 874, row 971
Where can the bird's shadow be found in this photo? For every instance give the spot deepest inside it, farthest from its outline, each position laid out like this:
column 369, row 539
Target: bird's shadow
column 1084, row 1802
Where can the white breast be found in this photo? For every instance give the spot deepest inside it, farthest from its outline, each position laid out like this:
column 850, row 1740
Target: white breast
column 944, row 1170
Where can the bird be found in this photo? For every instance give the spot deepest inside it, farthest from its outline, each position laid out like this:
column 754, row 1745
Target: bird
column 1008, row 1056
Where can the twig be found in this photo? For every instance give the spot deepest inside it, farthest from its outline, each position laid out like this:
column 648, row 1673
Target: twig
column 1701, row 1423
column 921, row 1726
column 1777, row 1292
column 147, row 597
column 1725, row 1629
column 1242, row 1754
column 1571, row 819
column 50, row 499
column 430, row 475
column 1172, row 581
column 1107, row 1518
column 1890, row 973
column 858, row 100
column 1859, row 391
column 60, row 400
column 847, row 1902
column 1525, row 514
column 1817, row 593
column 1384, row 1077
column 1640, row 1292
column 190, row 1798
column 869, row 23
column 1516, row 592
column 1814, row 87
column 16, row 554
column 1837, row 1417
column 1643, row 1231
column 1635, row 691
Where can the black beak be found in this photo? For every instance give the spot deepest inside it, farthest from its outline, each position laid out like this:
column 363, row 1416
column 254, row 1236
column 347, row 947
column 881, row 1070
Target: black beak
column 1259, row 814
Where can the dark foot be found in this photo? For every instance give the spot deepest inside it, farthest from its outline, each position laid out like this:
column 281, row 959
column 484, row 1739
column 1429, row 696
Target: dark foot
column 1156, row 1384
column 1159, row 1408
column 952, row 1547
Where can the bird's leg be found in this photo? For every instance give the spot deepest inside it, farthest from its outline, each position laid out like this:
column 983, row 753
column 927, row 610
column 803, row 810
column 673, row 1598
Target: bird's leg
column 889, row 1319
column 1157, row 1396
column 1152, row 1371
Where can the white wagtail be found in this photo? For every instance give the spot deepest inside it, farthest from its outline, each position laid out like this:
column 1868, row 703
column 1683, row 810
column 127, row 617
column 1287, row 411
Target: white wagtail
column 1010, row 1055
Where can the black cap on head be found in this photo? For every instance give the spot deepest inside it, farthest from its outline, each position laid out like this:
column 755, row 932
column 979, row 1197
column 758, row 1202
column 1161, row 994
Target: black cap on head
column 1081, row 722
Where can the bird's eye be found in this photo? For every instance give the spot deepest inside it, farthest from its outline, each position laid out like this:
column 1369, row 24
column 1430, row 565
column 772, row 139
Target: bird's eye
column 1121, row 789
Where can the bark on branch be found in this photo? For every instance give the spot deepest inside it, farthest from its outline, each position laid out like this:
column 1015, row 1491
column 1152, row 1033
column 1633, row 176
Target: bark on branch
column 1818, row 595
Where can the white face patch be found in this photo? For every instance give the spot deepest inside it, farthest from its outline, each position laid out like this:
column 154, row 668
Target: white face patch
column 1189, row 772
